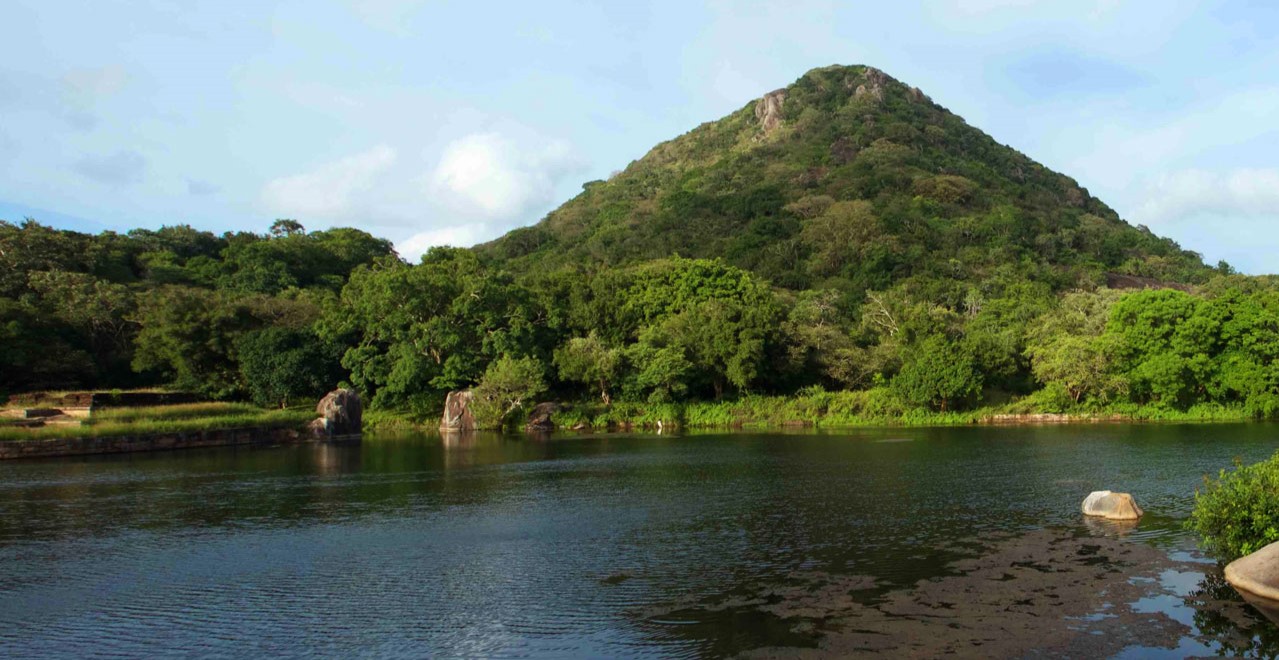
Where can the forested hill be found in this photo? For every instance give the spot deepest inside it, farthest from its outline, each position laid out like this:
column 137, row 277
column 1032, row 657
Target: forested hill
column 845, row 243
column 848, row 180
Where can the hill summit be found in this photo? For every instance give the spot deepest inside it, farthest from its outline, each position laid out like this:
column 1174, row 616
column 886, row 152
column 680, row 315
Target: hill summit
column 850, row 180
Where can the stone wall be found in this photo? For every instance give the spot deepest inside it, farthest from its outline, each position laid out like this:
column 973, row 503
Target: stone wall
column 97, row 400
column 46, row 447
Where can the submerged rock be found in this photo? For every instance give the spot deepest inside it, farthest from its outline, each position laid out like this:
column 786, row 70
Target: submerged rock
column 457, row 412
column 1045, row 593
column 1257, row 574
column 1111, row 506
column 341, row 415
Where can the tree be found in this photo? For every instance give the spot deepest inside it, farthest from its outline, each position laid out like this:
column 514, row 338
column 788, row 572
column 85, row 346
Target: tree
column 1067, row 348
column 97, row 310
column 661, row 368
column 589, row 360
column 723, row 341
column 939, row 374
column 34, row 354
column 1080, row 364
column 286, row 227
column 1167, row 342
column 718, row 318
column 507, row 384
column 278, row 364
column 188, row 337
column 415, row 332
column 818, row 341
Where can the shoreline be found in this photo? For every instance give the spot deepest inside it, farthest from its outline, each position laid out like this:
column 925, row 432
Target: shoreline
column 391, row 422
column 146, row 442
column 262, row 435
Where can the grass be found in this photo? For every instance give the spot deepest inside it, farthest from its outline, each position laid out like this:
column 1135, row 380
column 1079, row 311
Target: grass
column 874, row 407
column 166, row 419
column 818, row 408
column 167, row 413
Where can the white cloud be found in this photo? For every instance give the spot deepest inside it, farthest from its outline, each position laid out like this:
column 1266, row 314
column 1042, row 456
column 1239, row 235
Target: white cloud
column 117, row 169
column 388, row 15
column 84, row 89
column 1114, row 153
column 1176, row 196
column 981, row 7
column 497, row 179
column 413, row 247
column 96, row 82
column 198, row 187
column 330, row 191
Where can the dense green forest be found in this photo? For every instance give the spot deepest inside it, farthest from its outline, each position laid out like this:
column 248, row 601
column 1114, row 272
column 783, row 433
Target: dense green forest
column 843, row 234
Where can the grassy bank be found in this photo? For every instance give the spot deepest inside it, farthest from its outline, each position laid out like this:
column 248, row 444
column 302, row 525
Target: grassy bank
column 165, row 419
column 815, row 408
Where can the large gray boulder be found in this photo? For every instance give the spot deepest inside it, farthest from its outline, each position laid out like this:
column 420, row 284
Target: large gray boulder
column 341, row 415
column 457, row 412
column 1111, row 506
column 1257, row 574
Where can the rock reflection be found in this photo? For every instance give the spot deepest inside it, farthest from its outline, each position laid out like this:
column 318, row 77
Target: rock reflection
column 1110, row 528
column 1223, row 616
column 453, row 439
column 334, row 459
column 1268, row 608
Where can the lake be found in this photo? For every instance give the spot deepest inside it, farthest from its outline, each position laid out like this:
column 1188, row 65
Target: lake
column 771, row 544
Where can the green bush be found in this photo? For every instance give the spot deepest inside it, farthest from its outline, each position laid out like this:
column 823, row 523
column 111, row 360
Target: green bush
column 1238, row 512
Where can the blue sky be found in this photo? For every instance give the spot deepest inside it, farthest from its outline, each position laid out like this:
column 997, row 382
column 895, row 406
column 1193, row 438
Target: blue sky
column 429, row 122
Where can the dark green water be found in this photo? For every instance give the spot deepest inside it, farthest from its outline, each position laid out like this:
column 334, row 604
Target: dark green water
column 411, row 546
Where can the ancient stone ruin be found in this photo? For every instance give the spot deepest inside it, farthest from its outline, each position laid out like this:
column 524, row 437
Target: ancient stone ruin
column 341, row 416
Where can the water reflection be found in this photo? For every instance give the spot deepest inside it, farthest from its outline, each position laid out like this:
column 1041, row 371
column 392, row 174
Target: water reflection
column 1224, row 618
column 481, row 544
column 1114, row 528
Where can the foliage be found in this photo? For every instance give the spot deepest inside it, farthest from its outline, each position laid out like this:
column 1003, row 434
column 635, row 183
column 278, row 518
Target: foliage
column 507, row 385
column 414, row 332
column 278, row 364
column 1238, row 512
column 850, row 193
column 871, row 258
column 940, row 375
column 588, row 360
column 188, row 336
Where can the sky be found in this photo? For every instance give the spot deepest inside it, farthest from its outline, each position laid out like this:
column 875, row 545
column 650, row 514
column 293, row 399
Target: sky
column 433, row 122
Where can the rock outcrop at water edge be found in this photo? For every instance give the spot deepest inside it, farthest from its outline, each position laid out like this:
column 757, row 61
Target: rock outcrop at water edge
column 1111, row 506
column 457, row 412
column 341, row 415
column 1257, row 574
column 540, row 418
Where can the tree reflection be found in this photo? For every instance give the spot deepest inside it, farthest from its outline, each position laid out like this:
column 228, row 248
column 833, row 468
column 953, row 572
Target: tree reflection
column 1224, row 617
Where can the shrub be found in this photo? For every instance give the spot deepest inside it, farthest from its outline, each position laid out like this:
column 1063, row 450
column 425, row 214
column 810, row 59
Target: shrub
column 507, row 385
column 1238, row 512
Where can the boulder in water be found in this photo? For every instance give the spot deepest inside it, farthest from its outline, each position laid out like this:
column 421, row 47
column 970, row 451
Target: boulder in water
column 457, row 412
column 1111, row 506
column 540, row 418
column 1257, row 574
column 341, row 415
